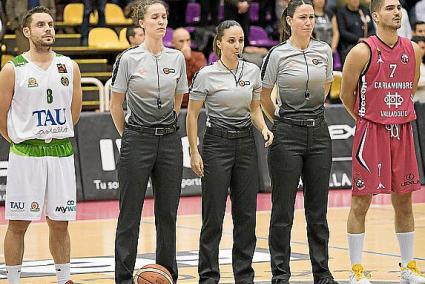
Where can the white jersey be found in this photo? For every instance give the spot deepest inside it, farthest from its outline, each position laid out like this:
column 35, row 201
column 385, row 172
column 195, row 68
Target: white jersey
column 41, row 104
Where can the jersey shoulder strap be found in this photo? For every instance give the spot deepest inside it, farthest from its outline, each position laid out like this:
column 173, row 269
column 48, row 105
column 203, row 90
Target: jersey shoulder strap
column 18, row 61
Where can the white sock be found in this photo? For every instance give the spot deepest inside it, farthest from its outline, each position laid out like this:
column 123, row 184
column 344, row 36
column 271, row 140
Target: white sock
column 62, row 272
column 405, row 240
column 13, row 273
column 355, row 246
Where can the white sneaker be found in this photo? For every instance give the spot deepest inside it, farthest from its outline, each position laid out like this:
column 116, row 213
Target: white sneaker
column 358, row 275
column 411, row 274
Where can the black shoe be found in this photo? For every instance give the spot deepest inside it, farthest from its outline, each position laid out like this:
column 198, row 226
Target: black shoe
column 327, row 280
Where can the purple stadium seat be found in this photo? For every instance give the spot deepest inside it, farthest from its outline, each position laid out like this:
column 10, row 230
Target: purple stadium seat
column 221, row 12
column 193, row 13
column 258, row 37
column 212, row 58
column 337, row 61
column 254, row 10
column 168, row 38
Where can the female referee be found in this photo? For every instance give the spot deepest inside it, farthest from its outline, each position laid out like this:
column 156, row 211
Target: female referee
column 230, row 89
column 302, row 68
column 153, row 79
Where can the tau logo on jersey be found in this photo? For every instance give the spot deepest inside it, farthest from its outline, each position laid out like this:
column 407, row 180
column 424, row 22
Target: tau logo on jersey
column 65, row 81
column 32, row 82
column 393, row 100
column 46, row 116
column 168, row 70
column 61, row 68
column 243, row 83
column 316, row 61
column 404, row 58
column 35, row 207
column 19, row 206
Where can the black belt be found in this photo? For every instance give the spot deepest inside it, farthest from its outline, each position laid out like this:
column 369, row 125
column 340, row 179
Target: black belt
column 158, row 131
column 310, row 122
column 230, row 134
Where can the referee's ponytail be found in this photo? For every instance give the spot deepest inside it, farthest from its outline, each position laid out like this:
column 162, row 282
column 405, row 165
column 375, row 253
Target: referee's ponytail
column 220, row 32
column 285, row 32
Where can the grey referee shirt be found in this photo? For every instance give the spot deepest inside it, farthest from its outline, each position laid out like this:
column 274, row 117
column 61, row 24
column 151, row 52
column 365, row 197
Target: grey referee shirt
column 295, row 71
column 136, row 73
column 226, row 101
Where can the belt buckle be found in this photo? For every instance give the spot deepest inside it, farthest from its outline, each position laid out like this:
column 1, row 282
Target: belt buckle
column 311, row 122
column 159, row 131
column 232, row 134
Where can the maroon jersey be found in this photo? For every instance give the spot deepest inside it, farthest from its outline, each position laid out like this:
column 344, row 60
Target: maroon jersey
column 385, row 89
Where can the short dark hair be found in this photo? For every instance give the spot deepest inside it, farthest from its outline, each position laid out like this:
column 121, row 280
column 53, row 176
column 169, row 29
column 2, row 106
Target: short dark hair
column 130, row 32
column 417, row 23
column 375, row 5
column 417, row 39
column 26, row 20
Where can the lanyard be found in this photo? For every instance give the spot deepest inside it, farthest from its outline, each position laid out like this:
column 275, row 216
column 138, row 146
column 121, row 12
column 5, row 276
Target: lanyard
column 307, row 91
column 234, row 74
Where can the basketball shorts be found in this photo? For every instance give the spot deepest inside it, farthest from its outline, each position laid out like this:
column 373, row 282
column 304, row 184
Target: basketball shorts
column 384, row 159
column 41, row 177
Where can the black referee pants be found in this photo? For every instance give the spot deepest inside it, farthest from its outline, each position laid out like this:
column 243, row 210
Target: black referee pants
column 228, row 163
column 306, row 152
column 142, row 156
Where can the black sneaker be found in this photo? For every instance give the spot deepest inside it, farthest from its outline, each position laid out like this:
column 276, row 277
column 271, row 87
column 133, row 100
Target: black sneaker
column 327, row 280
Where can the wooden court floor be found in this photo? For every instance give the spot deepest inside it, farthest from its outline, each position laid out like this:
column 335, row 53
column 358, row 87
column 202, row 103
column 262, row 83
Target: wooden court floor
column 93, row 243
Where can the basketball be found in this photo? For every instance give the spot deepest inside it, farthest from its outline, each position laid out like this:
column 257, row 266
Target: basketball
column 153, row 274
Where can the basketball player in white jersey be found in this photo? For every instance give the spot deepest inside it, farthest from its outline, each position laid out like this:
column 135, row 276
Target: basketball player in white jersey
column 40, row 101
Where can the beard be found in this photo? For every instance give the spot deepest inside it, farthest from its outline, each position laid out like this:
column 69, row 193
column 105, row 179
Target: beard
column 43, row 43
column 396, row 25
column 392, row 26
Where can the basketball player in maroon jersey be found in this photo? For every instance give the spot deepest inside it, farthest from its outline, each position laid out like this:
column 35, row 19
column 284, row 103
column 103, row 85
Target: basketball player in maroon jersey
column 379, row 79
